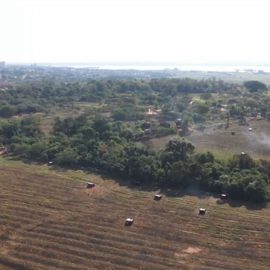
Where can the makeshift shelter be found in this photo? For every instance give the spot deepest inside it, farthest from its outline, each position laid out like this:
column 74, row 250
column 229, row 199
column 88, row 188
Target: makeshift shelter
column 202, row 211
column 129, row 221
column 157, row 197
column 90, row 185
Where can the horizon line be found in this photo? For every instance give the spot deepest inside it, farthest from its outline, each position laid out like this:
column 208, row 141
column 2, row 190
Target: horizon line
column 130, row 63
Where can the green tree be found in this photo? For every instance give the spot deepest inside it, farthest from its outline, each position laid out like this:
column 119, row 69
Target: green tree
column 256, row 191
column 37, row 151
column 242, row 161
column 201, row 107
column 178, row 175
column 7, row 111
column 67, row 157
column 255, row 86
column 179, row 150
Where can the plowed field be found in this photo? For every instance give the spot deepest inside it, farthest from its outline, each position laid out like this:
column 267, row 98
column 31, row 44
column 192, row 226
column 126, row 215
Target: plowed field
column 49, row 221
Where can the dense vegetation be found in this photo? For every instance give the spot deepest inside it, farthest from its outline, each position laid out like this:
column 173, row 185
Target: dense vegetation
column 110, row 143
column 37, row 96
column 128, row 98
column 110, row 147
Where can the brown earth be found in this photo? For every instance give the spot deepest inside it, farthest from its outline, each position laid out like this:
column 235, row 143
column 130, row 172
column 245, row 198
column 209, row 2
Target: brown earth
column 48, row 221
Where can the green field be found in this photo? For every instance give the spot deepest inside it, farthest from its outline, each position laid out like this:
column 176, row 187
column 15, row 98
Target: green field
column 223, row 144
column 48, row 220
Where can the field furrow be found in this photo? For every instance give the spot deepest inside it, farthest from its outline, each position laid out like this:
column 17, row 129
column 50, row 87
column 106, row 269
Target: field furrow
column 49, row 221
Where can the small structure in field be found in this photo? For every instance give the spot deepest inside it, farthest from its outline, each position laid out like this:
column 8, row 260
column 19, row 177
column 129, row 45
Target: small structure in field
column 3, row 150
column 243, row 153
column 157, row 197
column 224, row 196
column 250, row 129
column 259, row 116
column 202, row 211
column 129, row 221
column 50, row 163
column 90, row 185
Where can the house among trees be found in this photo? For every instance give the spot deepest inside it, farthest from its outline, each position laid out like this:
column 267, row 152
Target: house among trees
column 259, row 116
column 178, row 122
column 152, row 112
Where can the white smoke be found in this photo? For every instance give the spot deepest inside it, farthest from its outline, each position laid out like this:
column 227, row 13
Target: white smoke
column 263, row 139
column 258, row 142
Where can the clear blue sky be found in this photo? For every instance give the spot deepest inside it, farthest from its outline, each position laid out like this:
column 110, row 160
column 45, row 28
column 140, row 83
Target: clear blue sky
column 183, row 31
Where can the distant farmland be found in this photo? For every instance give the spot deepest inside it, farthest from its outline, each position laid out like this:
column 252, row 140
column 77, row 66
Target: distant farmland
column 48, row 220
column 223, row 144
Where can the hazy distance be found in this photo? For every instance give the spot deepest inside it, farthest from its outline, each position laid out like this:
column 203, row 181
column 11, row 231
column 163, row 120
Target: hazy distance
column 160, row 31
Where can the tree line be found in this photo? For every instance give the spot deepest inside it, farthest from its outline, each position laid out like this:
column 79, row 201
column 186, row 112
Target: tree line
column 109, row 146
column 38, row 96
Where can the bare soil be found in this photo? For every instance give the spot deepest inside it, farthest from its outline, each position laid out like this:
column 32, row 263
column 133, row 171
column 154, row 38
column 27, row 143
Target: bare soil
column 49, row 222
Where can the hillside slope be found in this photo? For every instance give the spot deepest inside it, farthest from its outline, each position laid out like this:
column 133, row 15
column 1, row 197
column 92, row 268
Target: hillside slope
column 48, row 220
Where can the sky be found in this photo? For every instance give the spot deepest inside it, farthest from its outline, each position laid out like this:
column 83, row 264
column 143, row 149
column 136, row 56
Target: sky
column 156, row 31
